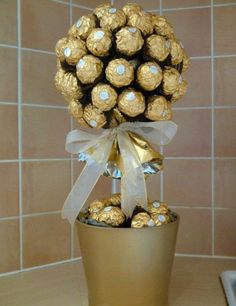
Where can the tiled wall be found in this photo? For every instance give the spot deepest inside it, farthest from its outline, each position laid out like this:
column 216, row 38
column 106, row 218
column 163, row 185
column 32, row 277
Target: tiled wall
column 36, row 173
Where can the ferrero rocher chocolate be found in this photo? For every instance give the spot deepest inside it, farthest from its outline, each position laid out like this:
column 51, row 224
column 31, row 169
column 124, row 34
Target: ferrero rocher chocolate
column 82, row 122
column 59, row 48
column 185, row 62
column 104, row 96
column 162, row 26
column 113, row 19
column 118, row 115
column 142, row 21
column 158, row 108
column 99, row 42
column 157, row 207
column 176, row 51
column 171, row 80
column 115, row 199
column 74, row 50
column 94, row 116
column 149, row 75
column 67, row 84
column 180, row 92
column 161, row 219
column 158, row 47
column 129, row 40
column 131, row 8
column 142, row 219
column 102, row 9
column 131, row 102
column 120, row 72
column 97, row 205
column 111, row 215
column 88, row 69
column 83, row 27
column 75, row 109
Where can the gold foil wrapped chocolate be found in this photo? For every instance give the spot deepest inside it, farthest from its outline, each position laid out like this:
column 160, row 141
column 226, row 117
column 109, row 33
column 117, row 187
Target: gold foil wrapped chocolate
column 97, row 205
column 99, row 42
column 142, row 21
column 131, row 102
column 180, row 92
column 162, row 26
column 161, row 219
column 129, row 40
column 158, row 108
column 142, row 219
column 83, row 27
column 112, row 216
column 115, row 199
column 118, row 115
column 113, row 19
column 59, row 48
column 158, row 47
column 157, row 207
column 88, row 69
column 74, row 50
column 67, row 84
column 104, row 96
column 120, row 72
column 102, row 9
column 75, row 109
column 131, row 8
column 149, row 75
column 185, row 62
column 171, row 80
column 94, row 116
column 82, row 122
column 176, row 51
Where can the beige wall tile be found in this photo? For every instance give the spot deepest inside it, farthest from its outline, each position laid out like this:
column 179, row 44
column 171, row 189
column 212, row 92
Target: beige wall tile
column 184, row 3
column 225, row 229
column 225, row 81
column 193, row 137
column 8, row 22
column 38, row 71
column 45, row 185
column 225, row 30
column 9, row 243
column 78, row 12
column 89, row 3
column 225, row 182
column 225, row 126
column 198, row 77
column 8, row 75
column 153, row 186
column 148, row 4
column 9, row 189
column 193, row 28
column 44, row 132
column 46, row 240
column 224, row 1
column 43, row 23
column 194, row 235
column 187, row 182
column 8, row 132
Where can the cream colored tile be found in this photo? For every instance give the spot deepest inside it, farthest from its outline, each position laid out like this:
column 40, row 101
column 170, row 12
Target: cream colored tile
column 8, row 22
column 184, row 3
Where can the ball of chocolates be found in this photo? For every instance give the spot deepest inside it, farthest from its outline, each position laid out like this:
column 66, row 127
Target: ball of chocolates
column 112, row 216
column 99, row 42
column 142, row 219
column 104, row 96
column 157, row 207
column 75, row 109
column 161, row 219
column 158, row 47
column 83, row 27
column 131, row 102
column 113, row 19
column 142, row 21
column 74, row 50
column 88, row 69
column 158, row 108
column 115, row 199
column 131, row 8
column 59, row 48
column 129, row 40
column 149, row 76
column 120, row 72
column 171, row 80
column 162, row 26
column 94, row 116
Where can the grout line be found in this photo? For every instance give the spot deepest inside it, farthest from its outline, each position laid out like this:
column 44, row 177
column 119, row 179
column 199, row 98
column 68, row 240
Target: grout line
column 189, row 207
column 73, row 4
column 8, row 46
column 224, row 4
column 187, row 158
column 205, row 256
column 161, row 7
column 205, row 107
column 46, row 213
column 9, row 218
column 186, row 8
column 224, row 55
column 8, row 103
column 38, row 50
column 43, row 106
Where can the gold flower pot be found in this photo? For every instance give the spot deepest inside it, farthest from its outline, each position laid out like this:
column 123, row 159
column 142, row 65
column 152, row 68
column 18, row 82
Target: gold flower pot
column 128, row 267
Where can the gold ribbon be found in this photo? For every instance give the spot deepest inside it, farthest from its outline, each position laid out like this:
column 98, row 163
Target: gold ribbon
column 127, row 136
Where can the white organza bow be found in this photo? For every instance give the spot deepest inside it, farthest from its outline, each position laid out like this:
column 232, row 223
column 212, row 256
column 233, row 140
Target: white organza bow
column 133, row 186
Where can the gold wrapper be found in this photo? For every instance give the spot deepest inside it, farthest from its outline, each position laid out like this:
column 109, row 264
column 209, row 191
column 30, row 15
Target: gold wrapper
column 131, row 8
column 113, row 123
column 112, row 216
column 75, row 109
column 104, row 97
column 142, row 219
column 180, row 92
column 185, row 62
column 59, row 48
column 129, row 40
column 158, row 109
column 83, row 27
column 142, row 21
column 161, row 219
column 118, row 115
column 82, row 122
column 88, row 69
column 149, row 75
column 97, row 205
column 171, row 80
column 162, row 26
column 74, row 50
column 115, row 199
column 94, row 117
column 67, row 84
column 176, row 51
column 158, row 47
column 113, row 19
column 99, row 42
column 131, row 102
column 102, row 9
column 157, row 207
column 120, row 72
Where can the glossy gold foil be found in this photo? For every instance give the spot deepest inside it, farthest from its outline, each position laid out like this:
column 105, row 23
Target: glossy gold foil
column 104, row 96
column 75, row 109
column 131, row 102
column 59, row 48
column 131, row 8
column 97, row 205
column 158, row 47
column 129, row 40
column 82, row 122
column 88, row 69
column 171, row 80
column 142, row 219
column 118, row 115
column 162, row 26
column 157, row 207
column 83, row 27
column 112, row 216
column 158, row 109
column 185, row 62
column 120, row 72
column 94, row 116
column 180, row 92
column 113, row 19
column 115, row 199
column 161, row 219
column 74, row 50
column 102, row 9
column 142, row 21
column 176, row 51
column 149, row 75
column 99, row 42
